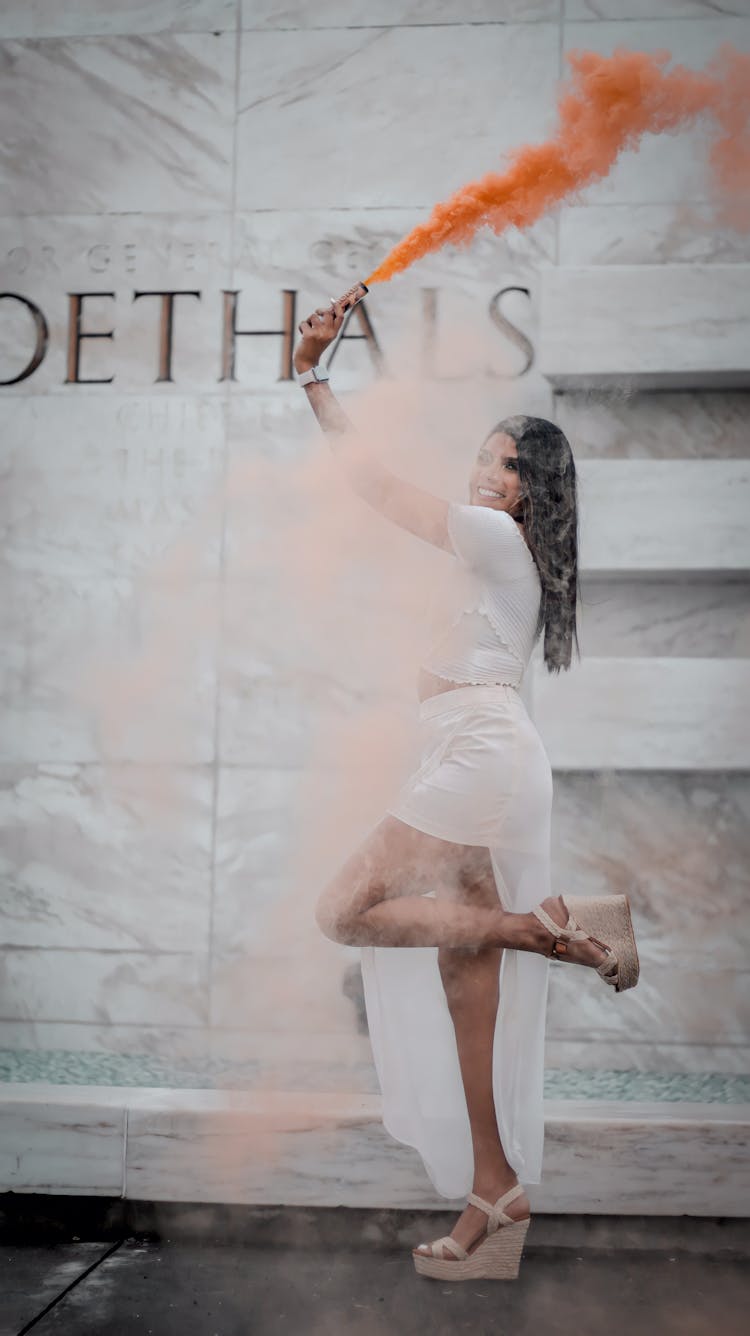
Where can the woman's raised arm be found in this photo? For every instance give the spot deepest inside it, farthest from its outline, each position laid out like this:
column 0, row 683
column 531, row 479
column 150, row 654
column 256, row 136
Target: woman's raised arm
column 401, row 502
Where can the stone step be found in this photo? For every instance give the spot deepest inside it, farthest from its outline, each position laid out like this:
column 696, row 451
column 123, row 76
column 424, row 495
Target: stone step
column 646, row 326
column 313, row 1149
column 643, row 713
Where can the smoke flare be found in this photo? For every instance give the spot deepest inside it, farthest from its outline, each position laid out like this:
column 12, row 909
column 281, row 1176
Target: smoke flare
column 607, row 106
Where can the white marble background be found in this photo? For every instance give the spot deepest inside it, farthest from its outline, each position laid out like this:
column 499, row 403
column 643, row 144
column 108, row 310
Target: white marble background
column 259, row 147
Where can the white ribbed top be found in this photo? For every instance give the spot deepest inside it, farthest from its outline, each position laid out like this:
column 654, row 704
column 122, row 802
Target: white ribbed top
column 496, row 600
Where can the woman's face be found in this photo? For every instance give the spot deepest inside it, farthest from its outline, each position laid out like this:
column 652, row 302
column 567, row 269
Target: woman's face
column 494, row 479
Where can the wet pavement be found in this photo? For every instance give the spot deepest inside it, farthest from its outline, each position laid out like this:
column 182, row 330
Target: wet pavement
column 139, row 1287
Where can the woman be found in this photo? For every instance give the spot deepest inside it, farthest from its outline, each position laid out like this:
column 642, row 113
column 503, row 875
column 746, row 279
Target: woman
column 459, row 866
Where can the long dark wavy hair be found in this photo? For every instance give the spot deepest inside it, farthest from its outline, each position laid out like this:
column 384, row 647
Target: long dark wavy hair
column 547, row 477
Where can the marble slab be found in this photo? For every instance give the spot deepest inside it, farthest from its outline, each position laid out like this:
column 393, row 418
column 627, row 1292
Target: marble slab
column 257, row 820
column 135, row 491
column 292, row 1149
column 392, row 13
column 678, row 233
column 280, row 837
column 286, row 990
column 704, row 1004
column 121, row 123
column 685, row 424
column 105, row 670
column 346, row 244
column 289, row 624
column 87, row 18
column 370, row 83
column 136, row 987
column 653, row 9
column 254, row 1143
column 87, row 860
column 315, row 659
column 676, row 1159
column 111, row 258
column 645, row 714
column 164, row 1042
column 62, row 1141
column 625, row 1054
column 638, row 326
column 248, row 1155
column 309, row 1060
column 678, row 617
column 666, row 168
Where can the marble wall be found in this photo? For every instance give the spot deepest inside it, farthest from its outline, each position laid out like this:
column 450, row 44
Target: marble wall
column 174, row 660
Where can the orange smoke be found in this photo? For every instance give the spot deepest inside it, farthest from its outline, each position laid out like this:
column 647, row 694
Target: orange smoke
column 608, row 105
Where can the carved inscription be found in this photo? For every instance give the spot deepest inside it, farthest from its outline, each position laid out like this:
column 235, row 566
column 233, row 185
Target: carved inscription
column 364, row 331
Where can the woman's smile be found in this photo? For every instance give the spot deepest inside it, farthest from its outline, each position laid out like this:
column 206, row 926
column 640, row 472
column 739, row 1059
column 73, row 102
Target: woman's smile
column 498, row 456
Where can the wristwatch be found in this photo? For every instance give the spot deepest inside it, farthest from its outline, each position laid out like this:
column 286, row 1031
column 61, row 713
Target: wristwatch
column 315, row 373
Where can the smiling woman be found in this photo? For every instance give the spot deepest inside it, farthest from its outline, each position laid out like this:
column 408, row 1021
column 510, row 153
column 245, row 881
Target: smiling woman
column 495, row 474
column 460, row 862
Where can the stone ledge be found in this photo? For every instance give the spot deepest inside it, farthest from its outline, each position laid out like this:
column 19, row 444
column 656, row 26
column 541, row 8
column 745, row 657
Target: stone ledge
column 690, row 518
column 645, row 326
column 654, row 713
column 308, row 1149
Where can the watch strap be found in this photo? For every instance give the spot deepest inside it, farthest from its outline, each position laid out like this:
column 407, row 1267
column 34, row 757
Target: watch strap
column 315, row 373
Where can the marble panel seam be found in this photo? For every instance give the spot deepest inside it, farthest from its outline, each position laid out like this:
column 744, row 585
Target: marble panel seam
column 420, row 27
column 125, row 1126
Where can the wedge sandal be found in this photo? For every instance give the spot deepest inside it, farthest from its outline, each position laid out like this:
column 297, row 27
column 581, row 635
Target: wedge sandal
column 593, row 918
column 497, row 1255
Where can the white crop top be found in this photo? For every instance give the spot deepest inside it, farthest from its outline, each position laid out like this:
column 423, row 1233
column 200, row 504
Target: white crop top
column 491, row 603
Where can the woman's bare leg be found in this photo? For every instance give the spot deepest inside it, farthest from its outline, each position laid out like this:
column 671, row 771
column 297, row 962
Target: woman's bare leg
column 378, row 898
column 470, row 979
column 471, row 982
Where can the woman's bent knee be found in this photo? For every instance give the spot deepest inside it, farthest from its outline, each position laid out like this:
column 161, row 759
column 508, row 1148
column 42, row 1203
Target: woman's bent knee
column 333, row 921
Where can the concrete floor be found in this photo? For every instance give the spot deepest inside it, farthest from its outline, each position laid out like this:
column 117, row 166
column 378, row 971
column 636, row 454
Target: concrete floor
column 186, row 1288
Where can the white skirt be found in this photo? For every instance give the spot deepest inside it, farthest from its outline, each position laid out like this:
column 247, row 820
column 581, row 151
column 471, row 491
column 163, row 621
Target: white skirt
column 484, row 778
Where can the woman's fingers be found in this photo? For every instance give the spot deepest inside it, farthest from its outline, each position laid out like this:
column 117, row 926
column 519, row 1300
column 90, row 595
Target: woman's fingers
column 320, row 317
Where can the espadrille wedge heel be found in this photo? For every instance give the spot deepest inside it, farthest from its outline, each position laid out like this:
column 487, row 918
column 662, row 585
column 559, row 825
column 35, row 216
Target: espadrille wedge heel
column 496, row 1255
column 604, row 920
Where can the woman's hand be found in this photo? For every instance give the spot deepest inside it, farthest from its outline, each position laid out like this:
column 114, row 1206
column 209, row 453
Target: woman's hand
column 317, row 332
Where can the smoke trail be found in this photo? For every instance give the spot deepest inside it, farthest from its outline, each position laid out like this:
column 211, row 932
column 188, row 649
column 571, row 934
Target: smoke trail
column 607, row 106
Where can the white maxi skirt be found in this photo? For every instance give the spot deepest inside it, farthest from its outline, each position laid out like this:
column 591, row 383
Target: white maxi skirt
column 483, row 778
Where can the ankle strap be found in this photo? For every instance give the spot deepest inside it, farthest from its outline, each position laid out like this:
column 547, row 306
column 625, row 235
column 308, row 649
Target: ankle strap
column 496, row 1213
column 548, row 922
column 570, row 933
